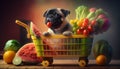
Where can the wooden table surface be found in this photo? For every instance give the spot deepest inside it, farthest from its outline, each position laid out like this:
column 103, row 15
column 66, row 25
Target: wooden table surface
column 63, row 64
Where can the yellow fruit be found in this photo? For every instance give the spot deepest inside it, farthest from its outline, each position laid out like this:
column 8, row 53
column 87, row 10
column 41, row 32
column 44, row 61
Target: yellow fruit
column 72, row 22
column 101, row 60
column 8, row 56
column 75, row 20
column 79, row 22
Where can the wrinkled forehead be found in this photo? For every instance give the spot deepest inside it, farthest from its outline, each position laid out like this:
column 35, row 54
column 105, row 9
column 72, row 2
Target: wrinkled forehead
column 54, row 11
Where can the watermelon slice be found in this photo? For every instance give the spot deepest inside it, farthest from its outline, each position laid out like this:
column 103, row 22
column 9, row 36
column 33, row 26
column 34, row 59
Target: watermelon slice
column 28, row 53
column 42, row 47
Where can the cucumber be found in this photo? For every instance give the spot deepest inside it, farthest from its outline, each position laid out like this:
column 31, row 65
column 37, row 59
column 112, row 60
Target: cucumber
column 17, row 60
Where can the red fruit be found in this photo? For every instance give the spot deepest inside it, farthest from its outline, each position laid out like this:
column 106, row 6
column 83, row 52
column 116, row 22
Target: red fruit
column 92, row 9
column 101, row 16
column 82, row 28
column 86, row 20
column 93, row 22
column 79, row 31
column 35, row 30
column 84, row 25
column 49, row 24
column 85, row 32
column 90, row 28
column 28, row 53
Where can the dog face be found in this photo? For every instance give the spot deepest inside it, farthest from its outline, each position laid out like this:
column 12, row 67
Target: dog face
column 55, row 16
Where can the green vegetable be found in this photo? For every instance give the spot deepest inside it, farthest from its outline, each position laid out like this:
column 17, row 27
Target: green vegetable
column 100, row 11
column 91, row 15
column 13, row 45
column 81, row 12
column 100, row 22
column 17, row 60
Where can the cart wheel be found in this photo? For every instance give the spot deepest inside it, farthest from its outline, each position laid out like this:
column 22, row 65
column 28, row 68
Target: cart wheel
column 49, row 59
column 45, row 63
column 82, row 63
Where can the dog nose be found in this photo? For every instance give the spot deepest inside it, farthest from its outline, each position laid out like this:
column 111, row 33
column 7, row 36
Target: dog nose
column 49, row 19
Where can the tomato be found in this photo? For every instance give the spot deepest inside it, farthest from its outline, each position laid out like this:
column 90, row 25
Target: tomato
column 82, row 28
column 49, row 24
column 86, row 21
column 90, row 28
column 78, row 31
column 84, row 25
column 85, row 32
column 93, row 22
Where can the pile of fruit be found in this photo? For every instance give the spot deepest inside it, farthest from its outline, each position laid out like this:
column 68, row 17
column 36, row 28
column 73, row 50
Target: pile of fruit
column 10, row 49
column 102, row 51
column 90, row 21
column 16, row 54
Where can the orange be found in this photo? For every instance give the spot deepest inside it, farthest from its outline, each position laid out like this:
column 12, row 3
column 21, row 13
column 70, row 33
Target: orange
column 8, row 56
column 101, row 60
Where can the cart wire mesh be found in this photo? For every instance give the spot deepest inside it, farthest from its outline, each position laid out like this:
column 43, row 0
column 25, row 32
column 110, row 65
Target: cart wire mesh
column 64, row 46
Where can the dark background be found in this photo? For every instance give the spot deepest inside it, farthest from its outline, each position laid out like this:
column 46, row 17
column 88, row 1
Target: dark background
column 10, row 10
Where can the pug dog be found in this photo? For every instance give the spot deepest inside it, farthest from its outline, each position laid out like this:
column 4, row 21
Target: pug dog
column 55, row 19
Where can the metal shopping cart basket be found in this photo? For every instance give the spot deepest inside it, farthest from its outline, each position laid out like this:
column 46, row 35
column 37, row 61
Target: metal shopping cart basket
column 61, row 46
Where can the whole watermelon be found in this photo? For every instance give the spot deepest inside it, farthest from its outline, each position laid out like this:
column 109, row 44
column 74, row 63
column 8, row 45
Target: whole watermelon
column 13, row 45
column 102, row 47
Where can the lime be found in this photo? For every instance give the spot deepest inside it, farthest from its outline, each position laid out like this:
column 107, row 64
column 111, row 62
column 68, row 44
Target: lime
column 13, row 45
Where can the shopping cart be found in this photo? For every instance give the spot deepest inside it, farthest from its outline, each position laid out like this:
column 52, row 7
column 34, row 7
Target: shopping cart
column 60, row 46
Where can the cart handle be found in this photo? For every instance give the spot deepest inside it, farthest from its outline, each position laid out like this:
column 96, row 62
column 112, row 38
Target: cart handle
column 25, row 26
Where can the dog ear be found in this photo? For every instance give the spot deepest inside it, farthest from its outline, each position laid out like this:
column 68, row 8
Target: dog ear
column 65, row 12
column 44, row 15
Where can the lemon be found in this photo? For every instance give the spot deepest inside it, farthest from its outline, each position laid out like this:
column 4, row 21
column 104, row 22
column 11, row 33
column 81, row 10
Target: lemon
column 8, row 56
